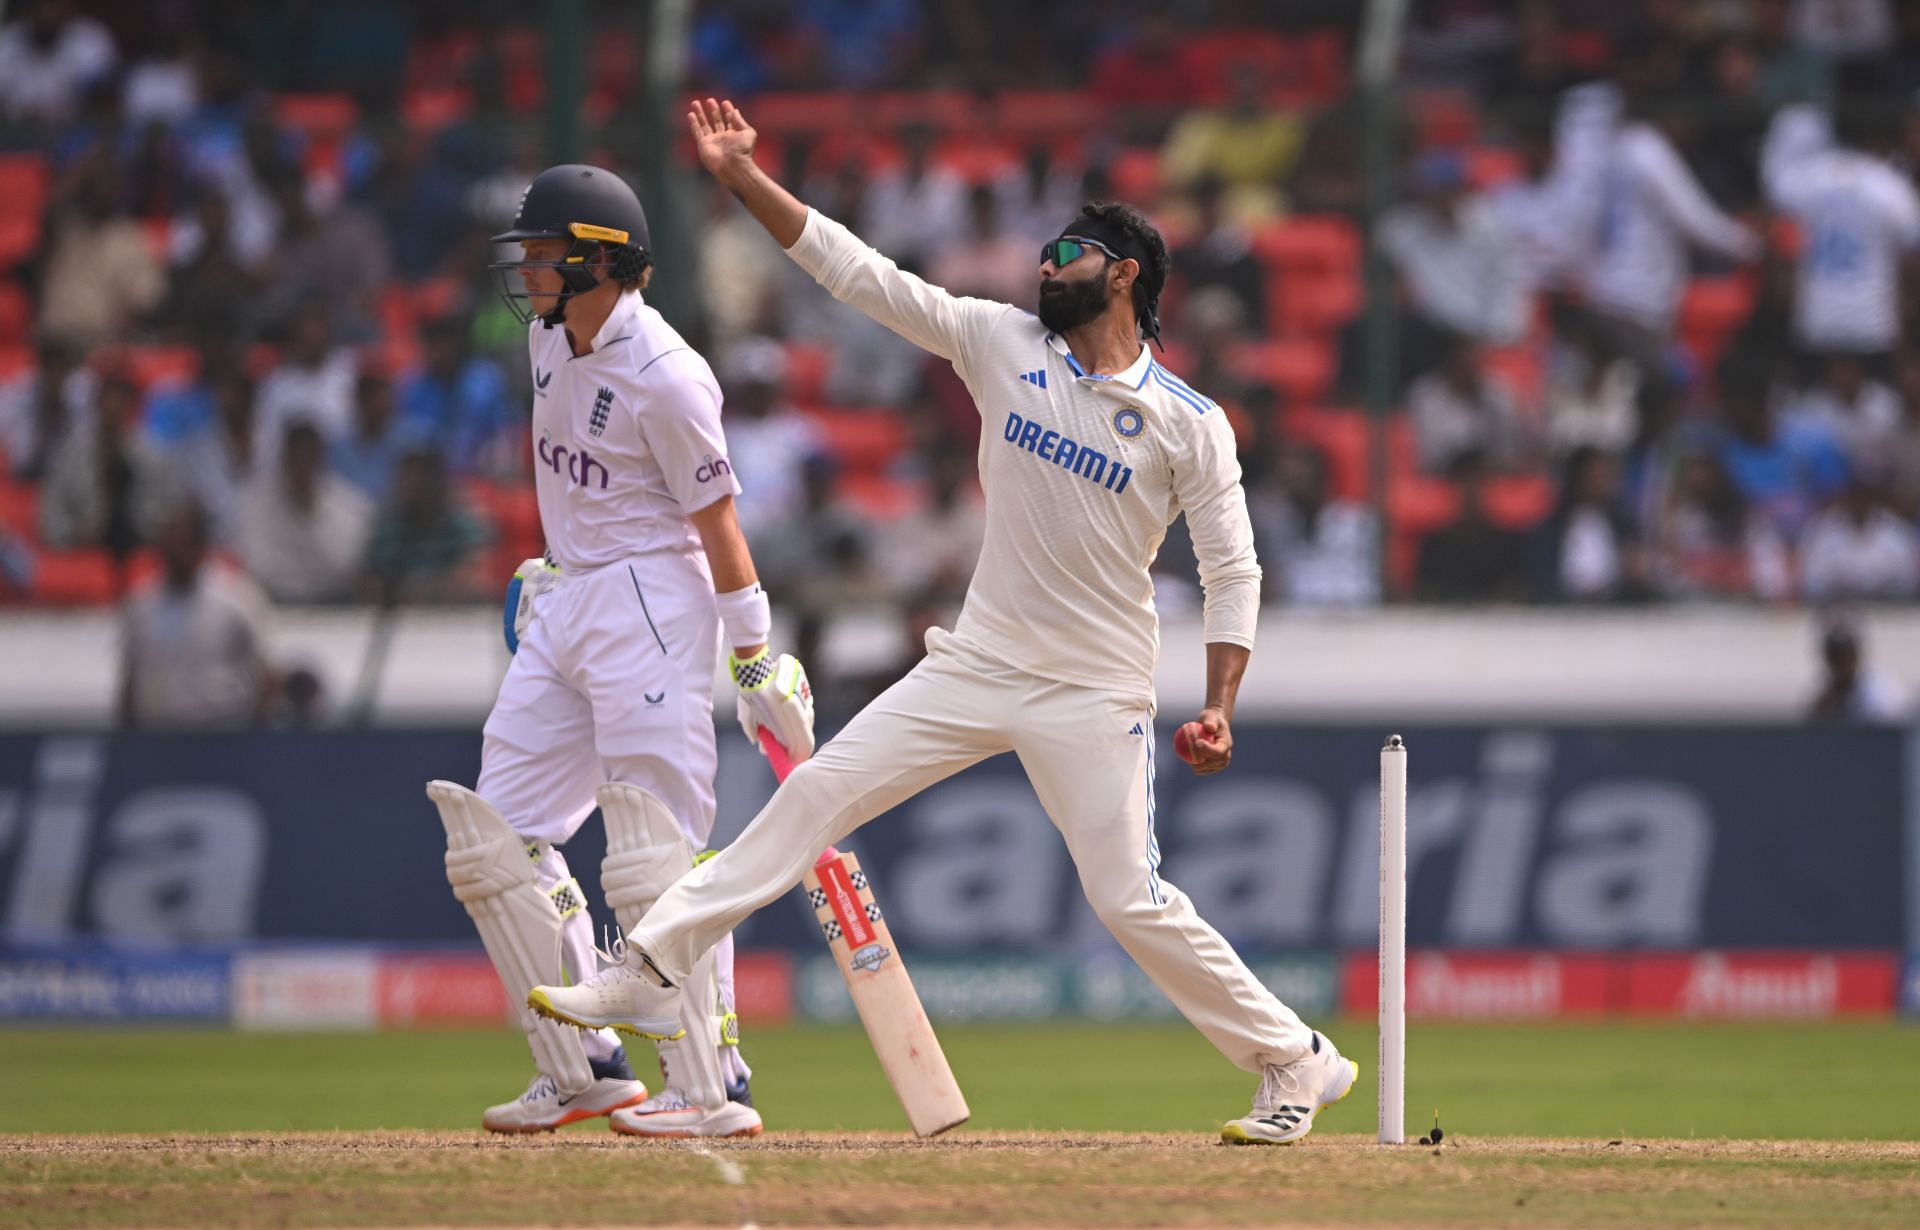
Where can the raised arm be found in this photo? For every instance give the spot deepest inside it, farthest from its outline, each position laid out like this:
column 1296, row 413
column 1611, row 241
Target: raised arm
column 851, row 271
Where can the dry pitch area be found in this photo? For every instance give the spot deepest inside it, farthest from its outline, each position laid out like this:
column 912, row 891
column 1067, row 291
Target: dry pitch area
column 583, row 1178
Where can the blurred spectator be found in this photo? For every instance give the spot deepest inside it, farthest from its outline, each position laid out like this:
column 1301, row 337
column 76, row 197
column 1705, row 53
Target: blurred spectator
column 768, row 440
column 859, row 43
column 1853, row 693
column 1844, row 29
column 823, row 557
column 1472, row 560
column 1592, row 548
column 1652, row 211
column 101, row 277
column 741, row 268
column 1859, row 221
column 194, row 641
column 457, row 403
column 1039, row 196
column 932, row 550
column 163, row 85
column 423, row 539
column 1711, row 545
column 1461, row 265
column 1903, row 451
column 988, row 261
column 312, row 382
column 215, row 459
column 303, row 531
column 176, row 410
column 49, row 58
column 1862, row 415
column 915, row 209
column 107, row 487
column 1592, row 396
column 1457, row 412
column 1551, row 209
column 42, row 405
column 338, row 259
column 1790, row 71
column 1248, row 144
column 1317, row 550
column 1860, row 549
column 1850, row 692
column 1782, row 471
column 367, row 456
column 212, row 283
column 1220, row 253
column 1213, row 326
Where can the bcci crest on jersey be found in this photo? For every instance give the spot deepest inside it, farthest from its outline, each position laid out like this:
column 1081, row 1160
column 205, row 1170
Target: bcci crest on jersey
column 1128, row 422
column 602, row 406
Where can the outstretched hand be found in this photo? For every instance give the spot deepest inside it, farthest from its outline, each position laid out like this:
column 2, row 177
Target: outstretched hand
column 721, row 134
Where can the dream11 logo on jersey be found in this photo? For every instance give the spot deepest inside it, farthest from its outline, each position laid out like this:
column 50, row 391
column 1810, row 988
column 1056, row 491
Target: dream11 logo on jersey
column 577, row 464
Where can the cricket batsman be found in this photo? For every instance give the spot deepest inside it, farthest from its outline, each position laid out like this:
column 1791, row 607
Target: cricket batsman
column 609, row 697
column 1089, row 450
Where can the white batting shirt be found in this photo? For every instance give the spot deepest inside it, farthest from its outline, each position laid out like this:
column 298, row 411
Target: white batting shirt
column 626, row 440
column 1082, row 475
column 1651, row 210
column 1858, row 218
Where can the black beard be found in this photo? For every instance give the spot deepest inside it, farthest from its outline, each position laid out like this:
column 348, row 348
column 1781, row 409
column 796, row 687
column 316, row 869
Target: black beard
column 1074, row 305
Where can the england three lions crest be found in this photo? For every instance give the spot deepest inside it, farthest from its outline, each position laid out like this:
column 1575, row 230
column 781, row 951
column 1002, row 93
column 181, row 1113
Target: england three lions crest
column 602, row 406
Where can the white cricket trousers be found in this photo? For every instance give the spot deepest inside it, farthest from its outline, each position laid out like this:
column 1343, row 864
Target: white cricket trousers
column 1089, row 755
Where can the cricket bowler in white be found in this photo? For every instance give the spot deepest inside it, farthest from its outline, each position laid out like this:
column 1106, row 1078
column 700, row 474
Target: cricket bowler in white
column 1089, row 450
column 609, row 697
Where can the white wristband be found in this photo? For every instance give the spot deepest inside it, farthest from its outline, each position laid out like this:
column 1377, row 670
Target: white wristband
column 747, row 616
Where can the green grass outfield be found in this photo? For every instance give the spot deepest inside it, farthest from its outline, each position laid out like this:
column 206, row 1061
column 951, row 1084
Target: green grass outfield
column 1598, row 1081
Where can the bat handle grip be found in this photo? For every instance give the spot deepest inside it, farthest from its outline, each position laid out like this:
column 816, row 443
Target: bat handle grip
column 776, row 755
column 826, row 856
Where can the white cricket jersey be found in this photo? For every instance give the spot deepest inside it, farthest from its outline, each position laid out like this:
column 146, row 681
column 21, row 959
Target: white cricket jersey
column 626, row 440
column 1082, row 475
column 1651, row 209
column 1858, row 218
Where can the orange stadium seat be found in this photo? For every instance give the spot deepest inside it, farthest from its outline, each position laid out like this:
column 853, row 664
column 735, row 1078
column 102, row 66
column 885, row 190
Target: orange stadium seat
column 1519, row 501
column 16, row 314
column 1046, row 111
column 14, row 361
column 807, row 368
column 1300, row 368
column 327, row 116
column 1307, row 301
column 1711, row 311
column 75, row 578
column 148, row 366
column 803, row 112
column 428, row 110
column 864, row 439
column 1347, row 440
column 1319, row 243
column 23, row 185
column 1135, row 175
column 879, row 496
column 18, row 238
column 20, row 507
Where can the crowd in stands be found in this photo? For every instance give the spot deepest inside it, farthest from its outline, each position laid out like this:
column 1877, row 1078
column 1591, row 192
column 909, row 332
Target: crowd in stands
column 1647, row 309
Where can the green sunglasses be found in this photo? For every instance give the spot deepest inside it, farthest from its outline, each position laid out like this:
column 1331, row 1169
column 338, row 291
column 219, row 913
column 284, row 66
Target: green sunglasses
column 1063, row 252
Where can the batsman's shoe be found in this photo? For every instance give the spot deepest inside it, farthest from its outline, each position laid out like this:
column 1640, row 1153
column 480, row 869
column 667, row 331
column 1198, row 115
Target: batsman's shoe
column 618, row 997
column 668, row 1115
column 1291, row 1094
column 543, row 1107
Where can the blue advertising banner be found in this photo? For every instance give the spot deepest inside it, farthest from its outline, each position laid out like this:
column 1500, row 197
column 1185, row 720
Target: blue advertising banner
column 1518, row 837
column 80, row 985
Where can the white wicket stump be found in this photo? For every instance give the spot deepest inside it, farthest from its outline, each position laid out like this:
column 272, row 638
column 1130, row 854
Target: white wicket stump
column 1393, row 942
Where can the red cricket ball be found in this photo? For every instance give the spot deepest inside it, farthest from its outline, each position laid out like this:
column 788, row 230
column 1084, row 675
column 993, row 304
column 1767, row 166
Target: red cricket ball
column 1184, row 739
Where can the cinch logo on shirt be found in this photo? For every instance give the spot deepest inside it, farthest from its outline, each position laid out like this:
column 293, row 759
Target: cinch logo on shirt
column 714, row 468
column 1070, row 455
column 577, row 464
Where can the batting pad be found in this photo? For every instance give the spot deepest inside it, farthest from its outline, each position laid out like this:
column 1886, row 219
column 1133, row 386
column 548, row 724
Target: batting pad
column 491, row 875
column 646, row 852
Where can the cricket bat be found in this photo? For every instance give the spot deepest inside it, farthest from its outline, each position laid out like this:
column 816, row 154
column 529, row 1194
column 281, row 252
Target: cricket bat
column 890, row 1009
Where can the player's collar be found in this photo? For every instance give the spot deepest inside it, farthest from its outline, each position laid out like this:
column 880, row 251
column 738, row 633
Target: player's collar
column 619, row 322
column 1133, row 377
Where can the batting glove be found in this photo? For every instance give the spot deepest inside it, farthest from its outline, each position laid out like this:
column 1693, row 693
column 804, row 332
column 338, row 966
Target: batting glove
column 531, row 579
column 775, row 695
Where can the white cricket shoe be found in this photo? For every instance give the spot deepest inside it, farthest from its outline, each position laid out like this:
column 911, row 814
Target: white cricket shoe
column 542, row 1108
column 618, row 997
column 1291, row 1094
column 668, row 1115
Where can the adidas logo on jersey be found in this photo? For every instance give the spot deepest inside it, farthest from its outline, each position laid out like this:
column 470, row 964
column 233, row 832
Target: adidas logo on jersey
column 1039, row 377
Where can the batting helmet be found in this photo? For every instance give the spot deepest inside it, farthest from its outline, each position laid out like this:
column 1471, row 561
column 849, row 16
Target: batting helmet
column 596, row 212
